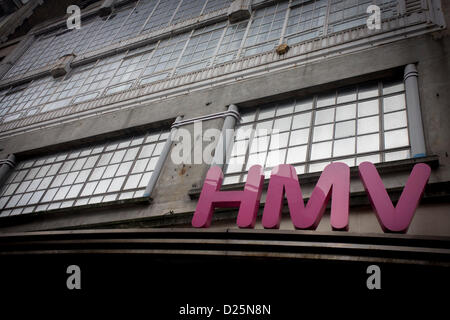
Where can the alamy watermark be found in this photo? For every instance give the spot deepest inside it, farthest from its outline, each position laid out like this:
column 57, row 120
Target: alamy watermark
column 74, row 19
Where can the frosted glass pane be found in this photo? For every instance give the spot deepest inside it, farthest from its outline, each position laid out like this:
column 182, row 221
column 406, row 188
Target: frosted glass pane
column 346, row 112
column 368, row 143
column 301, row 120
column 321, row 150
column 296, row 154
column 395, row 139
column 345, row 129
column 324, row 116
column 394, row 103
column 368, row 108
column 323, row 132
column 344, row 147
column 395, row 120
column 299, row 137
column 368, row 125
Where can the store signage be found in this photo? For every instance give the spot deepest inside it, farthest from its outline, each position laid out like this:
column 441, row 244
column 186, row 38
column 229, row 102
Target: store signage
column 334, row 183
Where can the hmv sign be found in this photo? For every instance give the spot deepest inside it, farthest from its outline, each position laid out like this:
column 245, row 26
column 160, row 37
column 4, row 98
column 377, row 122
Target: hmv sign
column 334, row 184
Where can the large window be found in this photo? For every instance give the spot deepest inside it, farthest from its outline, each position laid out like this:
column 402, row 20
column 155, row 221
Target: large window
column 290, row 22
column 351, row 125
column 99, row 173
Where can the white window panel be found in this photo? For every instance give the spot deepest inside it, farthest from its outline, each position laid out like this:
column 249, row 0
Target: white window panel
column 396, row 138
column 80, row 175
column 351, row 132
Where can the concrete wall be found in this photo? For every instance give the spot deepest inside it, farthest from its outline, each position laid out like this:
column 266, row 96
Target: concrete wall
column 430, row 52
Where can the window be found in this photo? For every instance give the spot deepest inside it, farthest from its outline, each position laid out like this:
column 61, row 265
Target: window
column 367, row 122
column 188, row 9
column 346, row 14
column 100, row 173
column 200, row 48
column 265, row 29
column 306, row 21
column 231, row 42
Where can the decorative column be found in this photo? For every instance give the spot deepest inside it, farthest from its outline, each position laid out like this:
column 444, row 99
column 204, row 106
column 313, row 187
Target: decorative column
column 6, row 165
column 415, row 124
column 226, row 138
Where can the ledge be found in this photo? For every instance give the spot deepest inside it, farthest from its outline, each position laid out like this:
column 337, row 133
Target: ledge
column 267, row 244
column 28, row 217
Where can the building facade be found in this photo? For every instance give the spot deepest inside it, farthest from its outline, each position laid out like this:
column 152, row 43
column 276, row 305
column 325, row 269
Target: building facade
column 94, row 119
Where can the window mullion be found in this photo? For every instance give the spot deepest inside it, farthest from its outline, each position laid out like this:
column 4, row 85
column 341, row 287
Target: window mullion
column 149, row 17
column 173, row 72
column 283, row 30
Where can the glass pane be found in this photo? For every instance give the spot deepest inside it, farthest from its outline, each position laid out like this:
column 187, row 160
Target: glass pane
column 140, row 165
column 146, row 151
column 316, row 167
column 367, row 108
column 326, row 100
column 323, row 132
column 368, row 91
column 239, row 148
column 345, row 129
column 102, row 186
column 301, row 120
column 397, row 138
column 266, row 113
column 344, row 147
column 299, row 137
column 399, row 155
column 350, row 161
column 394, row 103
column 243, row 132
column 259, row 144
column 116, row 184
column 256, row 158
column 302, row 105
column 324, row 116
column 296, row 154
column 321, row 150
column 282, row 124
column 133, row 181
column 393, row 86
column 110, row 171
column 278, row 141
column 346, row 95
column 89, row 188
column 248, row 117
column 346, row 112
column 235, row 164
column 275, row 158
column 285, row 108
column 395, row 120
column 61, row 193
column 231, row 179
column 373, row 159
column 300, row 169
column 368, row 125
column 152, row 164
column 263, row 128
column 368, row 143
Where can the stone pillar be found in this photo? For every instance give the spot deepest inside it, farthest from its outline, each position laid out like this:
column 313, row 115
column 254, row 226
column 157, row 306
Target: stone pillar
column 415, row 124
column 226, row 138
column 6, row 165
